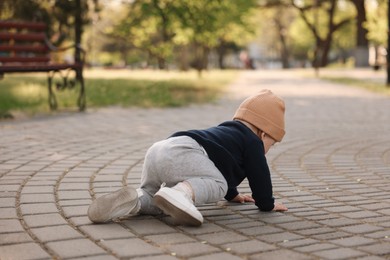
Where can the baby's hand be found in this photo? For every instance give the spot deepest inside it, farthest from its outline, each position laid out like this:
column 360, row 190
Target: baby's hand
column 242, row 198
column 279, row 207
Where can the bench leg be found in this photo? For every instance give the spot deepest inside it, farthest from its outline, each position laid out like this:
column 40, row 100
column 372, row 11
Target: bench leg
column 82, row 99
column 81, row 102
column 52, row 98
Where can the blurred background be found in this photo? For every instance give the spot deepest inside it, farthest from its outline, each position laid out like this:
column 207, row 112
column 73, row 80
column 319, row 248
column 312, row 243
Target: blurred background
column 186, row 45
column 201, row 34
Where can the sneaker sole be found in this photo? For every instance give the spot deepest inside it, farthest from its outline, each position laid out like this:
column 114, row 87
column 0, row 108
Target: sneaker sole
column 180, row 215
column 113, row 205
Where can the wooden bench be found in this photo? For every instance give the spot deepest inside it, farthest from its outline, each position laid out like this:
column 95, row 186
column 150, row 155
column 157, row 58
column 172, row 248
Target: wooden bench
column 24, row 47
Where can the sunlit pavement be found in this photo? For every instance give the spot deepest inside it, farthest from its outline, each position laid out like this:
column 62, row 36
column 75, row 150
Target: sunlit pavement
column 332, row 171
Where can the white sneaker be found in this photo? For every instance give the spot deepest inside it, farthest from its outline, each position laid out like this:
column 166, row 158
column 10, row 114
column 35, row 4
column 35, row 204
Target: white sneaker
column 111, row 206
column 177, row 205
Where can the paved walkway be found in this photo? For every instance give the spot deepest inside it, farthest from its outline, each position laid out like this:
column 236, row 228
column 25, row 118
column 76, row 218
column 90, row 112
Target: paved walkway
column 332, row 171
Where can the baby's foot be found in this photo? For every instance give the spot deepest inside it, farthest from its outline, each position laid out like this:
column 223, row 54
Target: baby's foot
column 179, row 206
column 111, row 206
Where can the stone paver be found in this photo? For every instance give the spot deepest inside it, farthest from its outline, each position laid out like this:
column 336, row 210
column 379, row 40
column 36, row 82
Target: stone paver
column 332, row 170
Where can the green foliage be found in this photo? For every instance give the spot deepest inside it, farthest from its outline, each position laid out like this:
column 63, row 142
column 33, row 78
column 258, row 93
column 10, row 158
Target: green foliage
column 31, row 10
column 208, row 21
column 58, row 15
column 377, row 23
column 343, row 39
column 185, row 32
column 160, row 27
column 275, row 27
column 302, row 41
column 311, row 27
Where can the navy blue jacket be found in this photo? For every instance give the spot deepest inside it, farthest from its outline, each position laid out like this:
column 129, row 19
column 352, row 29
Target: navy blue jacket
column 238, row 153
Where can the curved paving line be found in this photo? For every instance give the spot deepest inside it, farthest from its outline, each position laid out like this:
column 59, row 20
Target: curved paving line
column 51, row 252
column 125, row 176
column 21, row 216
column 384, row 146
column 182, row 230
column 179, row 229
column 119, row 146
column 362, row 146
column 250, row 214
column 309, row 173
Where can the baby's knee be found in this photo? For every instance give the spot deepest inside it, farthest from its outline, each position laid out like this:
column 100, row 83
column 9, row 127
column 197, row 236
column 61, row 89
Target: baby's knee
column 207, row 190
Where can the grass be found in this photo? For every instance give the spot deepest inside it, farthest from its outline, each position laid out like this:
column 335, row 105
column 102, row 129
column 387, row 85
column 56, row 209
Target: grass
column 28, row 94
column 378, row 87
column 365, row 78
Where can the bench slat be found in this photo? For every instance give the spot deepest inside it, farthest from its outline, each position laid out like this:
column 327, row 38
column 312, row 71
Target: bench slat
column 38, row 68
column 24, row 59
column 21, row 25
column 24, row 48
column 22, row 36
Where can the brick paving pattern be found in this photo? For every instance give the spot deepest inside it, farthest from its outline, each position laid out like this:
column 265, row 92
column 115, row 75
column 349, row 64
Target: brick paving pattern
column 332, row 171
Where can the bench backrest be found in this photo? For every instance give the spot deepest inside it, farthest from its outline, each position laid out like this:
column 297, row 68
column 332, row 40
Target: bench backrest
column 22, row 42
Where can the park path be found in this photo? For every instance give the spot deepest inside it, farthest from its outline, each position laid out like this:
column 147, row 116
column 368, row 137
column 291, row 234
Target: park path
column 332, row 170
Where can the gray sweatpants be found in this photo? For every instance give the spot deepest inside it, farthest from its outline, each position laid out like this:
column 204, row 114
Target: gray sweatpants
column 178, row 159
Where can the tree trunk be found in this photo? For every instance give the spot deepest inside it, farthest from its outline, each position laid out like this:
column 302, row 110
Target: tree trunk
column 325, row 48
column 388, row 44
column 317, row 51
column 221, row 51
column 201, row 58
column 78, row 32
column 322, row 45
column 284, row 53
column 161, row 63
column 183, row 58
column 361, row 53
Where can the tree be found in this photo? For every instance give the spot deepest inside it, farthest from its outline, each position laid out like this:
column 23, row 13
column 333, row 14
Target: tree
column 361, row 55
column 166, row 29
column 212, row 24
column 301, row 42
column 324, row 19
column 71, row 17
column 65, row 19
column 377, row 29
column 235, row 28
column 326, row 10
column 148, row 26
column 388, row 44
column 28, row 10
column 274, row 24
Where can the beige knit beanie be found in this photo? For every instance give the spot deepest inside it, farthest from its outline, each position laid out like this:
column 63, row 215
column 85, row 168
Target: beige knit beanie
column 265, row 111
